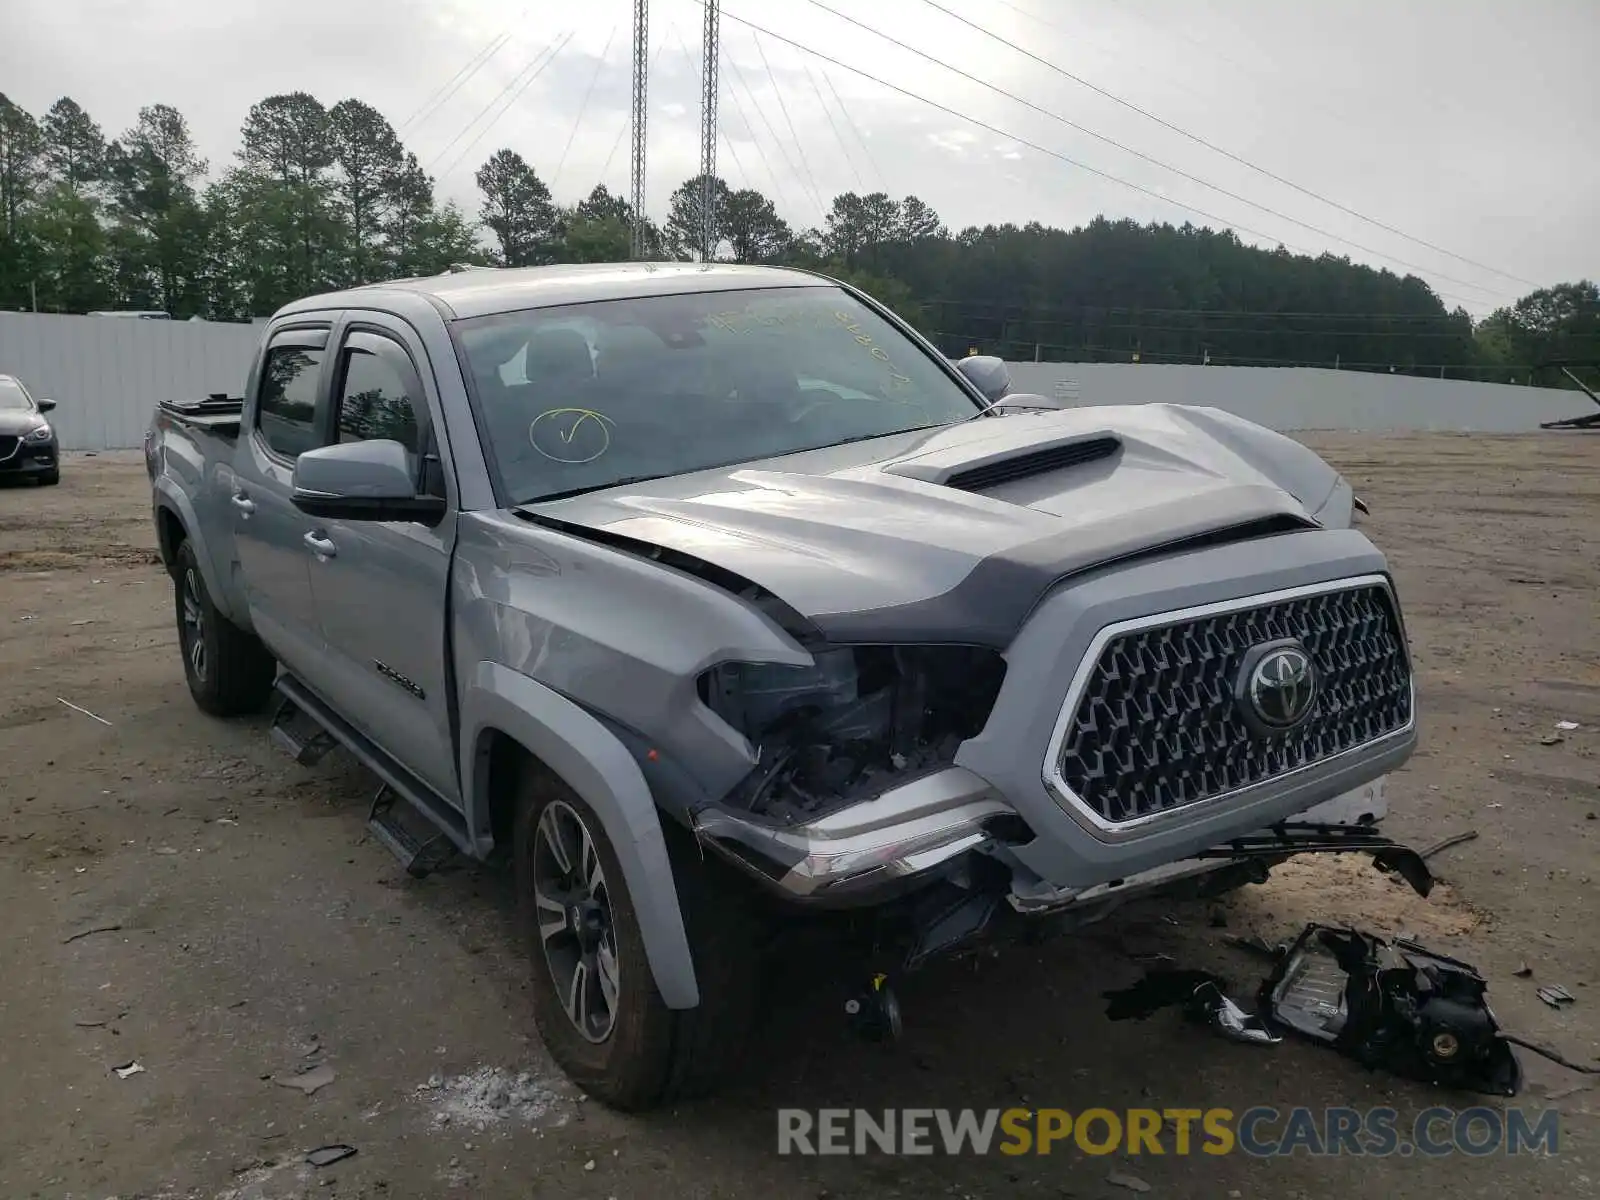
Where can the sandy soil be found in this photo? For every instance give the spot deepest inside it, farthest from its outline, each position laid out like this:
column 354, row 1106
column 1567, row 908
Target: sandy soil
column 247, row 928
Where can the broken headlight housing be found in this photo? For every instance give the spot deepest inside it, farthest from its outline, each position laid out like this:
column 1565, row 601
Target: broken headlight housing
column 857, row 720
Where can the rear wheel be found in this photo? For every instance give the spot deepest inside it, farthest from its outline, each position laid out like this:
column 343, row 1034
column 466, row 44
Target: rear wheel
column 229, row 671
column 594, row 995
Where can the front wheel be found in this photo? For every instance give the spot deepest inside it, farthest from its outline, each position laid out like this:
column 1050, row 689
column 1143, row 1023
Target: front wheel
column 229, row 671
column 50, row 478
column 594, row 996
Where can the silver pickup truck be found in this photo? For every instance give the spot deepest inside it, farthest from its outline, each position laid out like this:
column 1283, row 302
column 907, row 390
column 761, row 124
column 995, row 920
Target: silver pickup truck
column 721, row 604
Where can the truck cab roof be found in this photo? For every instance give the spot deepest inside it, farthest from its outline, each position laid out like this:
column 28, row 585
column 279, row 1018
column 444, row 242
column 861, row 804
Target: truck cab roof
column 476, row 292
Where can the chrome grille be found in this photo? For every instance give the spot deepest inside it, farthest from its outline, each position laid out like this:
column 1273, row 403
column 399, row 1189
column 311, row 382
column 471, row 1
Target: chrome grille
column 1156, row 726
column 8, row 446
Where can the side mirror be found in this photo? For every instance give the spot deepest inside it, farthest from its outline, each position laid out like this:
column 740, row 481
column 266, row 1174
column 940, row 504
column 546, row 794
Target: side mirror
column 987, row 373
column 1026, row 400
column 362, row 481
column 45, row 405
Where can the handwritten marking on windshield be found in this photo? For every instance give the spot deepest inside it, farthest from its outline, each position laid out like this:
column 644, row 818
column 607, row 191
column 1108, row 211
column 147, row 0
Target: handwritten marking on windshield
column 554, row 432
column 896, row 379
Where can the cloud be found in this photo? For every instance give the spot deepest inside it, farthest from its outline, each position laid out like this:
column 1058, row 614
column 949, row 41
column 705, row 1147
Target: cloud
column 1497, row 166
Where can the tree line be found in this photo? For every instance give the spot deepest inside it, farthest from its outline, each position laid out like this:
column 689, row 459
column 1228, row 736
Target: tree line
column 319, row 197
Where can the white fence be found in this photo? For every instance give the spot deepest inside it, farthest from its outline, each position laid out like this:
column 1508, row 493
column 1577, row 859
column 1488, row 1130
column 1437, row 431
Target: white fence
column 1292, row 398
column 106, row 375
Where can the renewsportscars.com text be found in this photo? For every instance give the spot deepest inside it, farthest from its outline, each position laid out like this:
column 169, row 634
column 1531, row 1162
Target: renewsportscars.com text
column 1260, row 1132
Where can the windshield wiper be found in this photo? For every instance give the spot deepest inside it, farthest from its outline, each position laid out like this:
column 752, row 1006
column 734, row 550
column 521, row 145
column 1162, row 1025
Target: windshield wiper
column 593, row 487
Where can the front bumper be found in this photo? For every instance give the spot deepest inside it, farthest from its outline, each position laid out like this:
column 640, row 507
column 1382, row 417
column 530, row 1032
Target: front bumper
column 20, row 457
column 1002, row 799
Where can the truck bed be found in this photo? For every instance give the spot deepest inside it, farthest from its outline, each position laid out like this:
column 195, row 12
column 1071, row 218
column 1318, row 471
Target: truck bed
column 217, row 413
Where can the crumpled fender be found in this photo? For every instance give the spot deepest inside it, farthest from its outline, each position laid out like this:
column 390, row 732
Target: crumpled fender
column 590, row 760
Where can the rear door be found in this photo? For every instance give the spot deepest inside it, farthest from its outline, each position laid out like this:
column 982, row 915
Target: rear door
column 380, row 586
column 285, row 419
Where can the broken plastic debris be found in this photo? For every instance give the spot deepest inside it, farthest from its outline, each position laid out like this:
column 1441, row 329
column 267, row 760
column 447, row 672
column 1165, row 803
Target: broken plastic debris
column 1393, row 1005
column 324, row 1156
column 1523, row 972
column 1202, row 996
column 127, row 1069
column 1566, row 726
column 307, row 1081
column 1132, row 1182
column 1555, row 995
column 1232, row 1021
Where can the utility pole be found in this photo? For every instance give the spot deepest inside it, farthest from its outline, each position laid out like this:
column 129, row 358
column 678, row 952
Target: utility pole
column 708, row 132
column 641, row 83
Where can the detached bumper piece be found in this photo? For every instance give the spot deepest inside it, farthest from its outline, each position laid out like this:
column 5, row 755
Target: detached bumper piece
column 1304, row 838
column 1392, row 1005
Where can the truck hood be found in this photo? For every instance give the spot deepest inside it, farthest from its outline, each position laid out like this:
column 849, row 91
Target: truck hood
column 955, row 534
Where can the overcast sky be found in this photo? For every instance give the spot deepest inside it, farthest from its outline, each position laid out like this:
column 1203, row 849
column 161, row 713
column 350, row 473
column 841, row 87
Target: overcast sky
column 1470, row 124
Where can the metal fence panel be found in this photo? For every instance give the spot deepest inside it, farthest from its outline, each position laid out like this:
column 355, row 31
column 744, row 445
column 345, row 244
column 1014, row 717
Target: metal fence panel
column 106, row 374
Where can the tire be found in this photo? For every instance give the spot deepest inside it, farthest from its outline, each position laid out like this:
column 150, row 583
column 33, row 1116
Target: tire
column 648, row 1055
column 50, row 478
column 229, row 672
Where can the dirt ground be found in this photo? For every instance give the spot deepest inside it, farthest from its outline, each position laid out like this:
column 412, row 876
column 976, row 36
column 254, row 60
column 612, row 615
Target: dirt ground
column 175, row 892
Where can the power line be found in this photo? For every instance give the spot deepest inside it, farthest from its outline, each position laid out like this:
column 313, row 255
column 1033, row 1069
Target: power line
column 750, row 129
column 1214, row 148
column 527, row 79
column 584, row 107
column 777, row 141
column 833, row 125
column 844, row 111
column 727, row 143
column 1056, row 154
column 816, row 193
column 452, row 85
column 1282, row 216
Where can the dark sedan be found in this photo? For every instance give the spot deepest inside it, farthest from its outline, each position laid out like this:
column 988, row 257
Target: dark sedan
column 28, row 445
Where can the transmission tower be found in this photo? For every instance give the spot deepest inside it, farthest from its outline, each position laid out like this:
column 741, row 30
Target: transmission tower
column 641, row 83
column 708, row 133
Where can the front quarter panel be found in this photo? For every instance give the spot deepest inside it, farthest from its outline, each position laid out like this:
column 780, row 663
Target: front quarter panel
column 597, row 766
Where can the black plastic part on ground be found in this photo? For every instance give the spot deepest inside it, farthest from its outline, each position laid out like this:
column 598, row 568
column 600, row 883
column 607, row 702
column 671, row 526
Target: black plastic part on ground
column 1404, row 1009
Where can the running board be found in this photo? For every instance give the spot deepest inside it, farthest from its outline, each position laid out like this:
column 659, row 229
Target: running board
column 298, row 734
column 401, row 795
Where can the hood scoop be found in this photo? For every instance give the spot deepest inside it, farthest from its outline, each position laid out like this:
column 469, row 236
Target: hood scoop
column 970, row 472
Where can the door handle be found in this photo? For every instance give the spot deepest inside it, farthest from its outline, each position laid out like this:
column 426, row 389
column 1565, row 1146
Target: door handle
column 320, row 546
column 243, row 503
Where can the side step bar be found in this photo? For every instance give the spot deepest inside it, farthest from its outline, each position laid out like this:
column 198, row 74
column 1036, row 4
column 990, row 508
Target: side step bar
column 307, row 729
column 299, row 735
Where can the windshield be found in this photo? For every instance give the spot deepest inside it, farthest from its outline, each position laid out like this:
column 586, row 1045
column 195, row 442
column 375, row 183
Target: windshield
column 584, row 396
column 13, row 397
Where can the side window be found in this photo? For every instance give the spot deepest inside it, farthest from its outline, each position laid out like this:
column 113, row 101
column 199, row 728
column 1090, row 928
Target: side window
column 376, row 401
column 286, row 414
